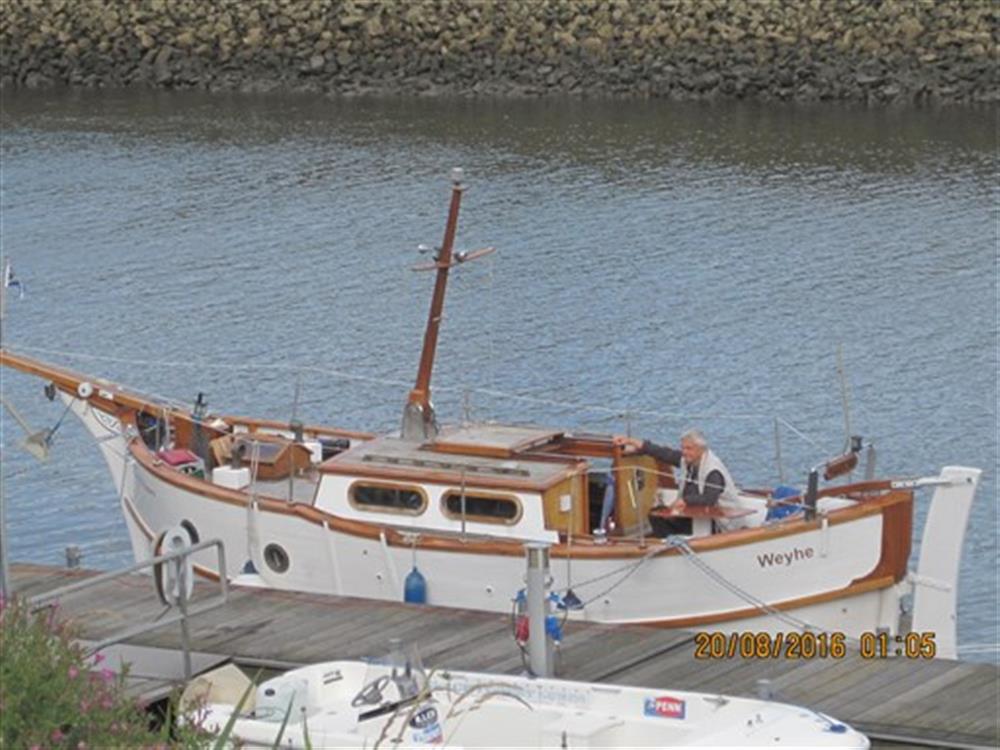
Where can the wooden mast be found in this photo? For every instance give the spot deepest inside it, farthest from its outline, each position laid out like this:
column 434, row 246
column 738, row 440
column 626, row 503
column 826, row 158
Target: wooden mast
column 418, row 415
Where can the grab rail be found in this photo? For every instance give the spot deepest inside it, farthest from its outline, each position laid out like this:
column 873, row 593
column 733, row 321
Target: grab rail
column 179, row 559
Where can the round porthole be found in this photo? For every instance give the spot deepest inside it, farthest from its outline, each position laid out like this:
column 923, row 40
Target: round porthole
column 276, row 558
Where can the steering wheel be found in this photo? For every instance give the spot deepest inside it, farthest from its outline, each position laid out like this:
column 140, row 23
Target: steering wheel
column 371, row 694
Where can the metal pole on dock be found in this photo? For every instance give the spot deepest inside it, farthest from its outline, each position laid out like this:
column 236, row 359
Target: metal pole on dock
column 4, row 571
column 5, row 589
column 182, row 572
column 540, row 655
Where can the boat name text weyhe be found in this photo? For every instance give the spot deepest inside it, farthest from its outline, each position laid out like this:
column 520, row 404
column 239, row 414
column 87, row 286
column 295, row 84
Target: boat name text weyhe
column 769, row 559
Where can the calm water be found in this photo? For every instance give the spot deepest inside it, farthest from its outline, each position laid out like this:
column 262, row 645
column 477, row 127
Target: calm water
column 659, row 266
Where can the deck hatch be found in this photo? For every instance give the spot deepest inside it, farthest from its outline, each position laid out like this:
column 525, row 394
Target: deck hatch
column 459, row 466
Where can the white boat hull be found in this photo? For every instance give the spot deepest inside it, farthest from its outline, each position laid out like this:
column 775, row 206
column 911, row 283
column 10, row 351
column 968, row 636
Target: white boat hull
column 789, row 573
column 467, row 709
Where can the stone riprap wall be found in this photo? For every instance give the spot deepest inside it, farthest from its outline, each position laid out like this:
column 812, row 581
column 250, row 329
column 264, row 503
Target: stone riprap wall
column 869, row 50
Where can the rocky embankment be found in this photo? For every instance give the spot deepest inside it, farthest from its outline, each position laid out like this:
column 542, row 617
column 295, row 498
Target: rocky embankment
column 855, row 50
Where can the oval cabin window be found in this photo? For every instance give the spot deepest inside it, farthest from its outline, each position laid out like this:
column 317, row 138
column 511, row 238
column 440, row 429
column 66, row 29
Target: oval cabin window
column 482, row 508
column 385, row 497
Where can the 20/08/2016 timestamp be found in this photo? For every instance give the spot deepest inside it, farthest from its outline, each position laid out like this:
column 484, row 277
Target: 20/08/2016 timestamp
column 812, row 645
column 882, row 645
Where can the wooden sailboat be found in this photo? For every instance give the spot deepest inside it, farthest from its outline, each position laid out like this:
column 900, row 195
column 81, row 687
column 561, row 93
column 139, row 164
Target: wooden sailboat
column 324, row 509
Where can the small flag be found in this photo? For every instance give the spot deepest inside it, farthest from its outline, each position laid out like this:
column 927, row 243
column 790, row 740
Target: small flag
column 10, row 282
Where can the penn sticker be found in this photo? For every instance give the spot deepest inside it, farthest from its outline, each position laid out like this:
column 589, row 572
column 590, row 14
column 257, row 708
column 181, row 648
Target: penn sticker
column 665, row 707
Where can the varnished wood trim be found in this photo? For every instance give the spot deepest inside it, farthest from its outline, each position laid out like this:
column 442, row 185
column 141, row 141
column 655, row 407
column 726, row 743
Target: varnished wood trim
column 255, row 424
column 466, row 449
column 897, row 536
column 68, row 380
column 590, row 447
column 852, row 589
column 139, row 521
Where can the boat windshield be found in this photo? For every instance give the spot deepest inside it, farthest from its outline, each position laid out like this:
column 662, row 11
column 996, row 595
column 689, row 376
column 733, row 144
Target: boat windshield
column 392, row 680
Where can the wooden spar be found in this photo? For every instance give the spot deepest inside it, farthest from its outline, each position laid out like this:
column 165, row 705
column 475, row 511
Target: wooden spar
column 113, row 398
column 70, row 382
column 418, row 416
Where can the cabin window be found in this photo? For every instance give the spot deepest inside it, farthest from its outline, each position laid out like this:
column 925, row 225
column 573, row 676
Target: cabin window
column 482, row 508
column 640, row 479
column 276, row 558
column 388, row 497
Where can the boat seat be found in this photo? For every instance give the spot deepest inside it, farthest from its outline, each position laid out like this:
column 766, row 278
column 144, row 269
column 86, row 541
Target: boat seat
column 226, row 685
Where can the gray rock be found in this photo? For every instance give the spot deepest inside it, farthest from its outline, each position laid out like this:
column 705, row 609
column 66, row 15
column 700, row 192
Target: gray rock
column 36, row 80
column 161, row 64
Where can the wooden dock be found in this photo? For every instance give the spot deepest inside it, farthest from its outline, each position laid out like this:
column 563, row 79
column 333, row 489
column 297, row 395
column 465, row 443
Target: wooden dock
column 936, row 702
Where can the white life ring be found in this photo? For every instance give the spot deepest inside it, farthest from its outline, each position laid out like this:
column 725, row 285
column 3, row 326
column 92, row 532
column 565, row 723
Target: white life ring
column 170, row 580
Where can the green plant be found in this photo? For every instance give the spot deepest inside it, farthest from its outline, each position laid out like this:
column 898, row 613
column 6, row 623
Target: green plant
column 53, row 696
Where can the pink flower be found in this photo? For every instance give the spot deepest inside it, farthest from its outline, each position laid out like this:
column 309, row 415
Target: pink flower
column 107, row 674
column 57, row 735
column 84, row 705
column 107, row 703
column 73, row 672
column 98, row 658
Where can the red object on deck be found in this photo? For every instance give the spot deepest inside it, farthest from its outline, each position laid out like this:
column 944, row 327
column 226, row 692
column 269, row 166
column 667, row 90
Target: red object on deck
column 177, row 456
column 521, row 629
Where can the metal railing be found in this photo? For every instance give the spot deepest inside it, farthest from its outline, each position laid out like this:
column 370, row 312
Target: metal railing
column 180, row 562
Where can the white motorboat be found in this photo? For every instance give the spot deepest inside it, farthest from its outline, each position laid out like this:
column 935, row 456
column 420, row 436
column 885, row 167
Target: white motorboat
column 353, row 704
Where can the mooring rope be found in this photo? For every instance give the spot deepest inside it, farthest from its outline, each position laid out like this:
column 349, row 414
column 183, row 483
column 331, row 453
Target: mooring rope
column 695, row 559
column 629, row 570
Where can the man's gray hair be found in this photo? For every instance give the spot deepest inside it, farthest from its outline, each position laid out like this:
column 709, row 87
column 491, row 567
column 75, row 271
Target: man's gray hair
column 695, row 436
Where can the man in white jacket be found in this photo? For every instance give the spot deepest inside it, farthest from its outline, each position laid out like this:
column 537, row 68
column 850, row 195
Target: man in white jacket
column 702, row 480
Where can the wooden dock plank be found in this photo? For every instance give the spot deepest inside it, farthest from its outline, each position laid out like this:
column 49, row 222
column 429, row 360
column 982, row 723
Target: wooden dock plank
column 853, row 681
column 607, row 653
column 955, row 684
column 919, row 682
column 920, row 707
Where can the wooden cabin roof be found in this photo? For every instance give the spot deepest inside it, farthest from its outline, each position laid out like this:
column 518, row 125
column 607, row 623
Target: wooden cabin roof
column 488, row 439
column 394, row 458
